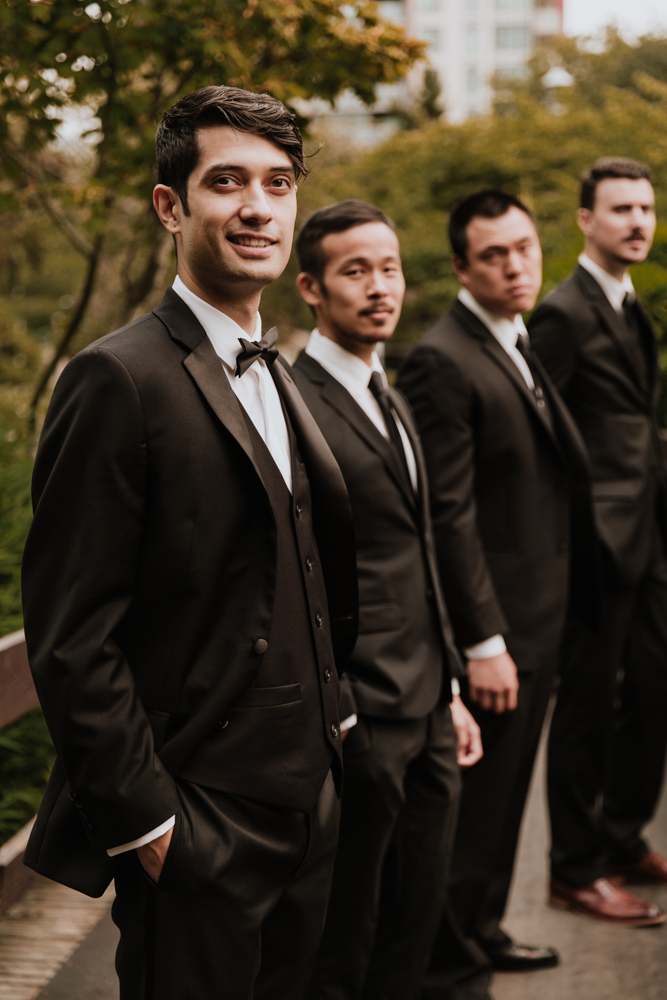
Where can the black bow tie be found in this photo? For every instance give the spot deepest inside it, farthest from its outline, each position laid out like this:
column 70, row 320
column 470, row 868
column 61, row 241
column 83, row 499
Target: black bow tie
column 254, row 349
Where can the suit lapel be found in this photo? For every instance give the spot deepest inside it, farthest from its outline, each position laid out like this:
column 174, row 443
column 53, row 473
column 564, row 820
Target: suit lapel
column 205, row 368
column 501, row 358
column 618, row 329
column 340, row 400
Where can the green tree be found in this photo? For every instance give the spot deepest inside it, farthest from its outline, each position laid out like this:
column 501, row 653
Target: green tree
column 118, row 64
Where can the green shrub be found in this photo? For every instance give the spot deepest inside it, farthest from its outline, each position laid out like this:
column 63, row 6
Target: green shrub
column 26, row 759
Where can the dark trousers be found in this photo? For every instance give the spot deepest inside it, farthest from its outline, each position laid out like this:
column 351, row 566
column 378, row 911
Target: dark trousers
column 609, row 732
column 240, row 905
column 492, row 804
column 400, row 799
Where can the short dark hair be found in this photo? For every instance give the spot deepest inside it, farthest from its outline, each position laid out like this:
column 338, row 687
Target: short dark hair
column 488, row 204
column 176, row 146
column 333, row 219
column 610, row 166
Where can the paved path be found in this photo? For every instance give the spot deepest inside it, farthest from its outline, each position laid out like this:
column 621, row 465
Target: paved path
column 599, row 962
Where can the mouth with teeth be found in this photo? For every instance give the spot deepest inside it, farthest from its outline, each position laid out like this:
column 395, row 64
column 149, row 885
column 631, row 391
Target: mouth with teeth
column 254, row 242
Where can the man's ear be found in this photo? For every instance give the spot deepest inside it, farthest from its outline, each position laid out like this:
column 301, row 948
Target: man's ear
column 460, row 268
column 584, row 220
column 168, row 207
column 310, row 289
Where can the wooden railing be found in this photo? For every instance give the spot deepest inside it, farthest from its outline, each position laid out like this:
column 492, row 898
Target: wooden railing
column 17, row 696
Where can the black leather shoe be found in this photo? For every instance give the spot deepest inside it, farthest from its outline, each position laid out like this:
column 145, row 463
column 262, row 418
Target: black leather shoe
column 523, row 957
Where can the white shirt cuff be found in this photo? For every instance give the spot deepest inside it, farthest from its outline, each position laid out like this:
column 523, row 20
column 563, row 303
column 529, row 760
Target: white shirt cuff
column 456, row 687
column 348, row 723
column 495, row 646
column 146, row 839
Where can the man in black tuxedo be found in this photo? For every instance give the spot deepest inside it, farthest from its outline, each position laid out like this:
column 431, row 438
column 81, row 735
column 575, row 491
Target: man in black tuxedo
column 402, row 784
column 190, row 589
column 509, row 497
column 605, row 763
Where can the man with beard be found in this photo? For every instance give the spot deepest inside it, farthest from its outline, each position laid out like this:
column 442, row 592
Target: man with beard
column 609, row 731
column 401, row 788
column 189, row 592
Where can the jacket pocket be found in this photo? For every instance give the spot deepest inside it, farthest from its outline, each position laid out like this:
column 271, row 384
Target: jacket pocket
column 264, row 697
column 617, row 489
column 386, row 617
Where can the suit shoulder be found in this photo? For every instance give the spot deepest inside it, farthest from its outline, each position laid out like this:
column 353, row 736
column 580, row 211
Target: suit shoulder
column 446, row 345
column 566, row 298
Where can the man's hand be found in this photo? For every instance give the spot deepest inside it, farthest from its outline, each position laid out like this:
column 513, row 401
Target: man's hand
column 468, row 736
column 493, row 683
column 152, row 855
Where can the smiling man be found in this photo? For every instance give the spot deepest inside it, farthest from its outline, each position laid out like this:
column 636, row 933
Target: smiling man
column 402, row 784
column 609, row 732
column 190, row 591
column 512, row 519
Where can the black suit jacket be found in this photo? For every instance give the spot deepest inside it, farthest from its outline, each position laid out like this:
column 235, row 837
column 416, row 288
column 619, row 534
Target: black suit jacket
column 149, row 572
column 405, row 654
column 594, row 360
column 509, row 490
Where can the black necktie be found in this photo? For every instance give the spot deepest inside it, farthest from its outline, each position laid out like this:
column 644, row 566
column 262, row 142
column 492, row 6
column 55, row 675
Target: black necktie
column 632, row 321
column 376, row 385
column 524, row 349
column 254, row 349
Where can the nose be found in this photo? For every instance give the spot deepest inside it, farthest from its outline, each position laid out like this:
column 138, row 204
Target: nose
column 378, row 286
column 514, row 264
column 256, row 207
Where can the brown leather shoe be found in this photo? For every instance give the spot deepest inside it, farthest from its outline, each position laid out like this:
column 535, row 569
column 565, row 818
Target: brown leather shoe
column 651, row 870
column 605, row 900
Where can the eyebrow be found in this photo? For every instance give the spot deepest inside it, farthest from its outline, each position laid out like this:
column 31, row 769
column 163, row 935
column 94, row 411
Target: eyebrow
column 364, row 260
column 218, row 168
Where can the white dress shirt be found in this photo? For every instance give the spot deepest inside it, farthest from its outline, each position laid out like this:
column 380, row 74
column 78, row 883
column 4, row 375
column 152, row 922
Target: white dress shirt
column 614, row 289
column 506, row 332
column 354, row 375
column 257, row 393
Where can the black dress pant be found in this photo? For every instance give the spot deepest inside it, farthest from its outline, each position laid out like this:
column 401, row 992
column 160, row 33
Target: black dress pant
column 239, row 908
column 492, row 805
column 399, row 808
column 609, row 732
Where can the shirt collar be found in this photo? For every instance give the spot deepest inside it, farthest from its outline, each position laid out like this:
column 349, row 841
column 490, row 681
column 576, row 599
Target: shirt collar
column 506, row 331
column 353, row 373
column 221, row 330
column 614, row 290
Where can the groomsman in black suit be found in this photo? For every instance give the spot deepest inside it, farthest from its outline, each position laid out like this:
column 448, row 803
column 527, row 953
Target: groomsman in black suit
column 190, row 591
column 514, row 538
column 401, row 787
column 609, row 732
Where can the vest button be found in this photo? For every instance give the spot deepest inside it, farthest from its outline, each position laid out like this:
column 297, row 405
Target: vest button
column 318, row 620
column 297, row 510
column 563, row 548
column 222, row 725
column 327, row 675
column 260, row 646
column 309, row 565
column 334, row 729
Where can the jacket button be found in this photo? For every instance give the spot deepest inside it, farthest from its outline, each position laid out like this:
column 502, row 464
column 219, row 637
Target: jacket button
column 327, row 675
column 309, row 565
column 261, row 646
column 429, row 594
column 334, row 729
column 563, row 548
column 318, row 620
column 222, row 725
column 297, row 510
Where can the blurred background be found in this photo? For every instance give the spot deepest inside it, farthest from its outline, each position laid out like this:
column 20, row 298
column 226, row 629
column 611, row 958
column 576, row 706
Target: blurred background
column 409, row 104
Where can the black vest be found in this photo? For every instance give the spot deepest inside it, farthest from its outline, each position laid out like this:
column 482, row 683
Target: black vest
column 283, row 736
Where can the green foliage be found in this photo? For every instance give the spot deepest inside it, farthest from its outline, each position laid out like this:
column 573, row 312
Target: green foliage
column 15, row 514
column 26, row 759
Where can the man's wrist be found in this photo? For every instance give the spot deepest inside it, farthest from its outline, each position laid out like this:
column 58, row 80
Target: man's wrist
column 493, row 646
column 146, row 839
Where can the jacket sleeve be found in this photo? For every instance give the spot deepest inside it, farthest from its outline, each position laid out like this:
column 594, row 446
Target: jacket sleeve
column 79, row 568
column 443, row 403
column 552, row 340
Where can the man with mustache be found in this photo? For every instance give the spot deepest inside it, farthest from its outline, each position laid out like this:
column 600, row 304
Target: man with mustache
column 609, row 731
column 401, row 787
column 514, row 540
column 189, row 588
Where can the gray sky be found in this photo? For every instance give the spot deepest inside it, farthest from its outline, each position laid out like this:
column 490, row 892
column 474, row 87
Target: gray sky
column 637, row 17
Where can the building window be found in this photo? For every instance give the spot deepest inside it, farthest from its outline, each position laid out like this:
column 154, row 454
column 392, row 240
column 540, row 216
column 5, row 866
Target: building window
column 430, row 5
column 514, row 4
column 471, row 4
column 512, row 73
column 472, row 79
column 432, row 37
column 513, row 37
column 472, row 37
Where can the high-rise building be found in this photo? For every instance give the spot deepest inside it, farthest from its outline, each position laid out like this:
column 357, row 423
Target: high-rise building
column 471, row 40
